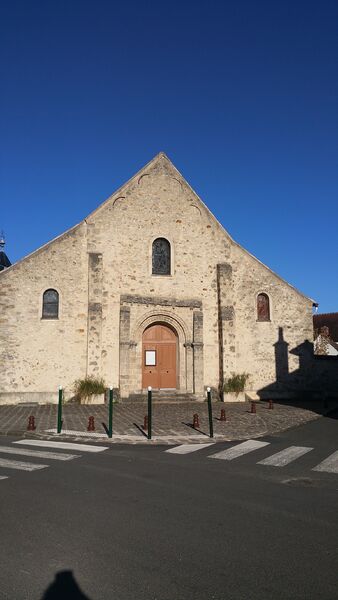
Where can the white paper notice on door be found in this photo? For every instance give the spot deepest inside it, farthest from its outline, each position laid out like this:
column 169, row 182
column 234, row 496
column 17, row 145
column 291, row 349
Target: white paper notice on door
column 150, row 358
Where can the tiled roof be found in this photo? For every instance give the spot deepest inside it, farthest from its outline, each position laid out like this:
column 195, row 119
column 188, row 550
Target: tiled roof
column 329, row 320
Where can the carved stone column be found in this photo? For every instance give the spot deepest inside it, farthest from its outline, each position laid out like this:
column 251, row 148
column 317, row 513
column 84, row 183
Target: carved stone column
column 189, row 365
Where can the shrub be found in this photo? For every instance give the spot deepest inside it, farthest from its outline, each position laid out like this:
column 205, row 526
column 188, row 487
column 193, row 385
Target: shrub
column 90, row 386
column 235, row 383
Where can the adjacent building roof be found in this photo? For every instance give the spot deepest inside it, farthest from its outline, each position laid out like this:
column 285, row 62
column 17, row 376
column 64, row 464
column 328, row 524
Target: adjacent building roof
column 329, row 320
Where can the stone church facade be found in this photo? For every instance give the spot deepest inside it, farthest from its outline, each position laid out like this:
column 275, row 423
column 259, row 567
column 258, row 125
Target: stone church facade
column 149, row 289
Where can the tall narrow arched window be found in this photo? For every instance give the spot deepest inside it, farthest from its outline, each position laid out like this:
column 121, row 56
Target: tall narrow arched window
column 263, row 307
column 161, row 257
column 50, row 305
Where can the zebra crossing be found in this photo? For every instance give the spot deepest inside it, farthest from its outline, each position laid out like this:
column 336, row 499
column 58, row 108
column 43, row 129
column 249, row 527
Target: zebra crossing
column 236, row 451
column 36, row 449
column 21, row 454
column 278, row 459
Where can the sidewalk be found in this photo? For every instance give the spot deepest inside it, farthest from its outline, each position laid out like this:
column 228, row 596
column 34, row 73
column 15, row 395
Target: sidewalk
column 171, row 423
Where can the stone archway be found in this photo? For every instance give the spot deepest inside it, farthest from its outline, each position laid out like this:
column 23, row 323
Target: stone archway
column 184, row 354
column 188, row 329
column 159, row 357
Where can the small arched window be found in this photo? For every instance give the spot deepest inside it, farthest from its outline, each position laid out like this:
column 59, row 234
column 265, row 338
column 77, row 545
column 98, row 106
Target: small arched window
column 263, row 307
column 50, row 305
column 161, row 257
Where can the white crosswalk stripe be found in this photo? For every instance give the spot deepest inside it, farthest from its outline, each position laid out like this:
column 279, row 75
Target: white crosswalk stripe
column 329, row 465
column 285, row 457
column 21, row 466
column 187, row 448
column 37, row 453
column 62, row 445
column 239, row 450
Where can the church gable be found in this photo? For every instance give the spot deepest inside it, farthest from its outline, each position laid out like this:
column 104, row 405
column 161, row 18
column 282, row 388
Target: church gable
column 159, row 178
column 158, row 193
column 156, row 202
column 152, row 260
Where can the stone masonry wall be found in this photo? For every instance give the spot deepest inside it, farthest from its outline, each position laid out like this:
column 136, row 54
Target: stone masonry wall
column 37, row 355
column 105, row 260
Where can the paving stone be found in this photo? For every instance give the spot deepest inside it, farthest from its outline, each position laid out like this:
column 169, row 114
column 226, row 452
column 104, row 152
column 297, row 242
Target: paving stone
column 169, row 422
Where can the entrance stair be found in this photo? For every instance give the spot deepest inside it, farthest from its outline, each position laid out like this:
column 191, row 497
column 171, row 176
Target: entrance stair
column 164, row 396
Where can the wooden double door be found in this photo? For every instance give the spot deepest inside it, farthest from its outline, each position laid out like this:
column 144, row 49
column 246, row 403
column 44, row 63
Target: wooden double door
column 159, row 357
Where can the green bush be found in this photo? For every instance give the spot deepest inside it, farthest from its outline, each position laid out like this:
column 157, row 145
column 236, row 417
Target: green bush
column 236, row 383
column 90, row 386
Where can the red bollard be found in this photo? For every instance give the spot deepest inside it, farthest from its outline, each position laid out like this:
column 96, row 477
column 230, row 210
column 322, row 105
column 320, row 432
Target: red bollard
column 145, row 423
column 91, row 426
column 31, row 423
column 223, row 417
column 196, row 421
column 270, row 404
column 253, row 408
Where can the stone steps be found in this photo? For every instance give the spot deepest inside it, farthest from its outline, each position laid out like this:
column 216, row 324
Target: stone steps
column 164, row 396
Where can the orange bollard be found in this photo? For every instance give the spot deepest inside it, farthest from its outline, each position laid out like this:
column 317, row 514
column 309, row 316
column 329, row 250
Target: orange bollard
column 270, row 404
column 31, row 423
column 91, row 425
column 223, row 416
column 253, row 408
column 196, row 421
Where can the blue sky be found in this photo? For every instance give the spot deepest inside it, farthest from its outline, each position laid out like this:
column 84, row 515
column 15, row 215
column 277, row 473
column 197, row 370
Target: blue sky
column 241, row 95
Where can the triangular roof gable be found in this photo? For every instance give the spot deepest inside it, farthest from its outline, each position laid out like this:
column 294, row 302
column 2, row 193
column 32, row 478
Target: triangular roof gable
column 175, row 172
column 119, row 192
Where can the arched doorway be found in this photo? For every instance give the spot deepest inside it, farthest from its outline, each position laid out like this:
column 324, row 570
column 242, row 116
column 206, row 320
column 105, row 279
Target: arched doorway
column 159, row 357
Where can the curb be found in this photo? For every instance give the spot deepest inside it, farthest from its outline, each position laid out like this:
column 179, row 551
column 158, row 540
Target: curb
column 129, row 439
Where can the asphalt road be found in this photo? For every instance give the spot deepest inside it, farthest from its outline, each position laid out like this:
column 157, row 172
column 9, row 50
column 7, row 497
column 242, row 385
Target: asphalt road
column 136, row 522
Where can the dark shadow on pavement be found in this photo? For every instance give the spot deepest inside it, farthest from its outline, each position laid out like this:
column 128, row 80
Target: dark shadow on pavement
column 194, row 428
column 141, row 430
column 64, row 587
column 105, row 428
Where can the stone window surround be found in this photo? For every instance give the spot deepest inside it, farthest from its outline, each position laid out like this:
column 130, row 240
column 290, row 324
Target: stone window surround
column 257, row 293
column 40, row 313
column 172, row 262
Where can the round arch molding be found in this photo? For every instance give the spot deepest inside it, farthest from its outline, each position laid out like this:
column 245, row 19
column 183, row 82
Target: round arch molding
column 164, row 317
column 184, row 348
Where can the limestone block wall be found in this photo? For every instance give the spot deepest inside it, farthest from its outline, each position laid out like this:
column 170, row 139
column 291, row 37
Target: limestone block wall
column 37, row 355
column 158, row 203
column 102, row 270
column 260, row 346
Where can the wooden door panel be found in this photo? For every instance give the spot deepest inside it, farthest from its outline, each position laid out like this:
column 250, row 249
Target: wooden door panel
column 167, row 365
column 150, row 335
column 150, row 374
column 163, row 341
column 166, row 335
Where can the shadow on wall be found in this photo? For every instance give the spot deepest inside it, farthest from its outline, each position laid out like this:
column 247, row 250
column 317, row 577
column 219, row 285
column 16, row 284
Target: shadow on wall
column 64, row 587
column 315, row 379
